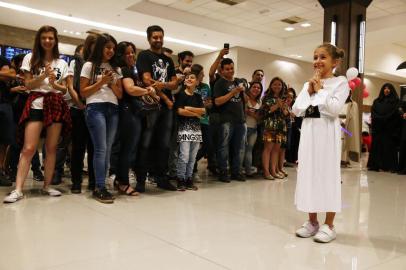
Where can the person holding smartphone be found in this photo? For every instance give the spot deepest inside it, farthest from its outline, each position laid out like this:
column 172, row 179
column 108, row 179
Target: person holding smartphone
column 100, row 84
column 228, row 98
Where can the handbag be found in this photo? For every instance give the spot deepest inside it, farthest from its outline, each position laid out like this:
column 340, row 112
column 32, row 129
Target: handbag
column 144, row 104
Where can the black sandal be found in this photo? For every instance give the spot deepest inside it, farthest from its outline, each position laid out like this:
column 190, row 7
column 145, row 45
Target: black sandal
column 131, row 193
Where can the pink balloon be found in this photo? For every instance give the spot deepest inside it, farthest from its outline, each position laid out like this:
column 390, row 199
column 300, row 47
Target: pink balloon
column 365, row 93
column 357, row 81
column 352, row 85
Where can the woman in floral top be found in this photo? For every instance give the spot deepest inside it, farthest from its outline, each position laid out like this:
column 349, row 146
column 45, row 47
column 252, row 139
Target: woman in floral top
column 275, row 130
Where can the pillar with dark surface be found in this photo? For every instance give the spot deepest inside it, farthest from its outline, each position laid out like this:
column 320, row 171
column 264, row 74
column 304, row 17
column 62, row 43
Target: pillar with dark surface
column 347, row 15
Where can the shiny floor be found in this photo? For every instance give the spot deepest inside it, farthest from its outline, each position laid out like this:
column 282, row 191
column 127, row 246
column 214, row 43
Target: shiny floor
column 238, row 225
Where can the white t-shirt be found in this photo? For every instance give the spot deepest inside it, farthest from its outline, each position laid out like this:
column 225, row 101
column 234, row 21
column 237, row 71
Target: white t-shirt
column 60, row 68
column 251, row 121
column 105, row 94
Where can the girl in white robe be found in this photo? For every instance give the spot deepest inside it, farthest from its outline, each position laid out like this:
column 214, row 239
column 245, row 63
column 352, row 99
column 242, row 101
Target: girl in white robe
column 318, row 187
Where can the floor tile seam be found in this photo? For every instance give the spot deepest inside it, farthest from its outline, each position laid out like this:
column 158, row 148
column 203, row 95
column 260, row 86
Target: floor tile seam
column 89, row 259
column 252, row 218
column 182, row 248
column 384, row 262
column 162, row 239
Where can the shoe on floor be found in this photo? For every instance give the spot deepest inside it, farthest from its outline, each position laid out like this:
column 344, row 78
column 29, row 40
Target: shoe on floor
column 189, row 184
column 163, row 183
column 5, row 181
column 223, row 177
column 285, row 174
column 181, row 185
column 140, row 186
column 37, row 175
column 269, row 177
column 307, row 230
column 196, row 178
column 56, row 179
column 103, row 196
column 278, row 176
column 76, row 189
column 325, row 234
column 13, row 196
column 239, row 177
column 51, row 192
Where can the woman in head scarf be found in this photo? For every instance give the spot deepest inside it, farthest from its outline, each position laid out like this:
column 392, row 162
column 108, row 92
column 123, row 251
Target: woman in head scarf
column 385, row 130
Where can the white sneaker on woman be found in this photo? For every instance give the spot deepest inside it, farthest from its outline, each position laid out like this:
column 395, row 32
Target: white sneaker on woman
column 51, row 192
column 13, row 196
column 325, row 234
column 307, row 230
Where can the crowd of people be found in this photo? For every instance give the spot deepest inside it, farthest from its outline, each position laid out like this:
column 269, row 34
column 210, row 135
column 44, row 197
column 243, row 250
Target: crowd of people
column 146, row 115
column 139, row 114
column 388, row 131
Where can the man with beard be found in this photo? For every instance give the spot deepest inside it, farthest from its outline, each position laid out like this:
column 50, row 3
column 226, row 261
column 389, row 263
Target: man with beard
column 185, row 60
column 156, row 70
column 257, row 76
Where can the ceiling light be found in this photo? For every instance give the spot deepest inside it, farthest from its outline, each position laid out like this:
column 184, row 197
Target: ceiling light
column 77, row 33
column 98, row 24
column 305, row 25
column 65, row 31
column 289, row 28
column 296, row 56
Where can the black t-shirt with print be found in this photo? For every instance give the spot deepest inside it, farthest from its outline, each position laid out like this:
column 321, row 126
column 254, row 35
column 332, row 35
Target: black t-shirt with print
column 160, row 67
column 188, row 124
column 233, row 110
column 132, row 74
column 4, row 88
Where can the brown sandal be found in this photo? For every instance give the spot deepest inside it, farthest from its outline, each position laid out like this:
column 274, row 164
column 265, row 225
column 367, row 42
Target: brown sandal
column 125, row 191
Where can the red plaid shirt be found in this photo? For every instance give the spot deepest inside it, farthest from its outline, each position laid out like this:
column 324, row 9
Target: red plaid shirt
column 55, row 110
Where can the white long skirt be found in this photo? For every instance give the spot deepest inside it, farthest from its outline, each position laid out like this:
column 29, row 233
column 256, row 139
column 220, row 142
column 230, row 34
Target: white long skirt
column 318, row 187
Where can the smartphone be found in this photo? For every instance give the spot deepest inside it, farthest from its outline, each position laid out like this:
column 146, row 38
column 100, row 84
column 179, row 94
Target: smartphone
column 226, row 45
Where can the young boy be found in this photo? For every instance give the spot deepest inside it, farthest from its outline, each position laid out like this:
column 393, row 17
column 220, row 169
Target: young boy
column 190, row 108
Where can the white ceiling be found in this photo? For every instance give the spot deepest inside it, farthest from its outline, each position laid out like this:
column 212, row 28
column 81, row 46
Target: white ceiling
column 253, row 24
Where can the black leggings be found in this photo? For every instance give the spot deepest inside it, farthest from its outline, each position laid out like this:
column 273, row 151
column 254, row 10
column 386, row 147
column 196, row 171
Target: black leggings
column 130, row 131
column 80, row 142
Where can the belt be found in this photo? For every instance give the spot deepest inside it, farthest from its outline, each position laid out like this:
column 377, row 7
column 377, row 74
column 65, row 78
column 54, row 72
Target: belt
column 312, row 112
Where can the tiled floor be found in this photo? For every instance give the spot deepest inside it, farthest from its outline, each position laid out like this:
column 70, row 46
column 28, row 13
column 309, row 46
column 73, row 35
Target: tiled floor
column 221, row 226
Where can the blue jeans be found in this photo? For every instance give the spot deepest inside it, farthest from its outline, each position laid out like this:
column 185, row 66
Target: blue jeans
column 249, row 145
column 186, row 159
column 231, row 140
column 102, row 121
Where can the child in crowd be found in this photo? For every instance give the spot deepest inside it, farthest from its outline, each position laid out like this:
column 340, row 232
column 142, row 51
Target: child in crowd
column 190, row 109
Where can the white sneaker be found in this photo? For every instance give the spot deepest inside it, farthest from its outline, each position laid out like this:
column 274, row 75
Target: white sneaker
column 14, row 196
column 52, row 192
column 325, row 234
column 307, row 230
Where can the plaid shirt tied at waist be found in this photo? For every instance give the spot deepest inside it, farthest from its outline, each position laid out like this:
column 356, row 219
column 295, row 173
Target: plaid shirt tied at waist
column 55, row 110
